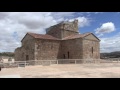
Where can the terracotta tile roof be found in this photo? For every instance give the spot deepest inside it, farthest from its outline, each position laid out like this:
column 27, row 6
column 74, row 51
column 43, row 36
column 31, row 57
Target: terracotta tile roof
column 46, row 36
column 42, row 36
column 76, row 36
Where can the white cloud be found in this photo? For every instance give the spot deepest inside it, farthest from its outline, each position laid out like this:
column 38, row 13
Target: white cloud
column 3, row 15
column 14, row 25
column 100, row 35
column 98, row 12
column 82, row 21
column 105, row 28
column 21, row 23
column 91, row 12
column 110, row 44
column 62, row 14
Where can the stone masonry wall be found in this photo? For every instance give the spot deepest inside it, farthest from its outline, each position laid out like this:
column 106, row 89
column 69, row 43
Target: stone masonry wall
column 66, row 33
column 62, row 30
column 26, row 51
column 72, row 26
column 71, row 47
column 27, row 37
column 18, row 55
column 46, row 49
column 55, row 31
column 41, row 49
column 91, row 49
column 29, row 49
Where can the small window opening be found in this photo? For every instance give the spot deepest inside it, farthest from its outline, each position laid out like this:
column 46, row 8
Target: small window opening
column 68, row 55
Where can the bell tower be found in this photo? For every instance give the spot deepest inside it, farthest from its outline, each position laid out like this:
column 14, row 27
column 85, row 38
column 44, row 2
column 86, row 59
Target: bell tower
column 63, row 29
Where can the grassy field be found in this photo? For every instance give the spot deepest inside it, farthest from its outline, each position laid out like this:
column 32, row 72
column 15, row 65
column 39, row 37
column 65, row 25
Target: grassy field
column 103, row 70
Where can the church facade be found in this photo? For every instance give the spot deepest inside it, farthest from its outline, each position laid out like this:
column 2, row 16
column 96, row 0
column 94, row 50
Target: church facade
column 61, row 41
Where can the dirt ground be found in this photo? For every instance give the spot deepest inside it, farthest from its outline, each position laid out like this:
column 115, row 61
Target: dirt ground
column 104, row 70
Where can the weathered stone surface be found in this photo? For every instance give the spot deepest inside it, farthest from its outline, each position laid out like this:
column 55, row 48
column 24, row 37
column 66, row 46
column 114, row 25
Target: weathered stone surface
column 27, row 49
column 71, row 49
column 85, row 47
column 91, row 49
column 46, row 49
column 63, row 29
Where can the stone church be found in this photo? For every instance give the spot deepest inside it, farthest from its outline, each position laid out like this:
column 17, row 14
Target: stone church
column 61, row 41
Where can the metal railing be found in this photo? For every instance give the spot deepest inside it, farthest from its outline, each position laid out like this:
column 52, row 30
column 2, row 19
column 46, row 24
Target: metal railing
column 58, row 61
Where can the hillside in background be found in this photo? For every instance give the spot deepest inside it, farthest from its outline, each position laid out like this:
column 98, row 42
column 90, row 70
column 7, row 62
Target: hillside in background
column 102, row 55
column 8, row 54
column 110, row 55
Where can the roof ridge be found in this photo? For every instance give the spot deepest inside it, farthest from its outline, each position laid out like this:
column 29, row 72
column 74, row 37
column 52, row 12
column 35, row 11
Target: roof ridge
column 77, row 36
column 87, row 33
column 35, row 33
column 42, row 36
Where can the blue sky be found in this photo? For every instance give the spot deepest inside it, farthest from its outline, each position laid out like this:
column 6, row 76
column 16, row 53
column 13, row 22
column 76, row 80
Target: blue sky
column 14, row 26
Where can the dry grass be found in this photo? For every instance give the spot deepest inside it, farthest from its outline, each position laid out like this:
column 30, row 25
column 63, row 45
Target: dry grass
column 104, row 70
